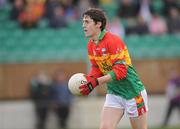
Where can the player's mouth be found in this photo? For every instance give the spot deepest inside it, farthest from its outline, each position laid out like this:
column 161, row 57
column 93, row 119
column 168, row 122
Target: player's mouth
column 85, row 30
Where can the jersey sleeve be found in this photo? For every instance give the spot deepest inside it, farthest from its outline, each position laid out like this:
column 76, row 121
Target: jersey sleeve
column 117, row 55
column 94, row 70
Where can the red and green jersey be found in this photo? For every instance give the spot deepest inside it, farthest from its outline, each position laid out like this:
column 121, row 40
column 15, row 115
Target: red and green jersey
column 110, row 56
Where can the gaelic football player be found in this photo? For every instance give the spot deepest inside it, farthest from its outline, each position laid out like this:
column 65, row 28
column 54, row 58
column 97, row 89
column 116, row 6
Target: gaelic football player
column 111, row 64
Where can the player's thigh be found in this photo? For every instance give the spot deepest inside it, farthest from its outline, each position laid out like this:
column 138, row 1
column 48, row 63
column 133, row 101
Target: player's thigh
column 110, row 117
column 139, row 122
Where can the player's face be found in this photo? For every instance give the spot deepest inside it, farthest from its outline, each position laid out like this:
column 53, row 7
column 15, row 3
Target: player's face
column 89, row 26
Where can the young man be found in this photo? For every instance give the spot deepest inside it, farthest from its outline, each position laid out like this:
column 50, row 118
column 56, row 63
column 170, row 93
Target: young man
column 111, row 64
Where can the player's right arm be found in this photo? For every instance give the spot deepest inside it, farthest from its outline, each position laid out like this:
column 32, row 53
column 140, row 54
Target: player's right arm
column 92, row 77
column 94, row 70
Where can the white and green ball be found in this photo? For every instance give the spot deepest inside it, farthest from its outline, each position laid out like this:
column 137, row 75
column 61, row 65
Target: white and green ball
column 75, row 81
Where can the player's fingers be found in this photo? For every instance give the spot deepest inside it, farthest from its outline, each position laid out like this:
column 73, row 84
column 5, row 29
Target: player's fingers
column 82, row 87
column 84, row 91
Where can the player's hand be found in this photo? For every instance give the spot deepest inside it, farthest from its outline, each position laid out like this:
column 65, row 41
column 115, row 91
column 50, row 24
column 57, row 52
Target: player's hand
column 91, row 84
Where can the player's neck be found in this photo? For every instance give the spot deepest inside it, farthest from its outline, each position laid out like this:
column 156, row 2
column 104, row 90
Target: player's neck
column 95, row 38
column 95, row 41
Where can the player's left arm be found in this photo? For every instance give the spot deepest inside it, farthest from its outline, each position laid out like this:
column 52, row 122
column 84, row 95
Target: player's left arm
column 117, row 51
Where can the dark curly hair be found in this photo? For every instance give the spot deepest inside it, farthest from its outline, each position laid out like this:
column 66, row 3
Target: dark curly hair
column 97, row 15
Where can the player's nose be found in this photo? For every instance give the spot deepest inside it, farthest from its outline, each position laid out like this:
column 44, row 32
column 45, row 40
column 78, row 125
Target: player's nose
column 83, row 25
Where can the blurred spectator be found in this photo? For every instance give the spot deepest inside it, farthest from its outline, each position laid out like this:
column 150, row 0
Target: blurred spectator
column 173, row 95
column 61, row 98
column 2, row 3
column 145, row 10
column 139, row 28
column 71, row 13
column 157, row 6
column 82, row 6
column 128, row 9
column 168, row 4
column 158, row 25
column 95, row 3
column 174, row 21
column 33, row 12
column 49, row 7
column 58, row 20
column 103, row 2
column 116, row 27
column 75, row 2
column 17, row 8
column 40, row 94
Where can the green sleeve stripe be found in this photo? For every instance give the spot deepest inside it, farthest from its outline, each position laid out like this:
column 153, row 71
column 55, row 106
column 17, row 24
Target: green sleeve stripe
column 140, row 105
column 112, row 74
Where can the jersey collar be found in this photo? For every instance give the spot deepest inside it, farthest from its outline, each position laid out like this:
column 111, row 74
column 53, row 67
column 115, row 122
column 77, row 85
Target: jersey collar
column 102, row 35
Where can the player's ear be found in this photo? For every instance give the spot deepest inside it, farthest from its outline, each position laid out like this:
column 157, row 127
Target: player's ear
column 99, row 24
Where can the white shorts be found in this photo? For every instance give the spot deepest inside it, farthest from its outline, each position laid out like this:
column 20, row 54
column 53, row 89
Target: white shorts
column 132, row 108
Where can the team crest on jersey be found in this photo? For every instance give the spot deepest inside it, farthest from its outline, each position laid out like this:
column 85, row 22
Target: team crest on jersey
column 103, row 51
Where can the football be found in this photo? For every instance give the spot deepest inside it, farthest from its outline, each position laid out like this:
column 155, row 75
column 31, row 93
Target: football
column 75, row 82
